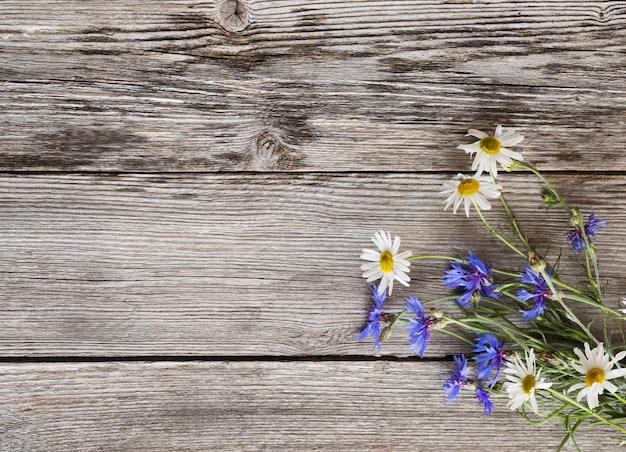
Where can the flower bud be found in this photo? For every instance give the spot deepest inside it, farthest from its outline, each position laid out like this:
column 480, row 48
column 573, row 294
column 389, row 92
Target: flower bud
column 576, row 220
column 536, row 262
column 385, row 333
column 436, row 313
column 508, row 167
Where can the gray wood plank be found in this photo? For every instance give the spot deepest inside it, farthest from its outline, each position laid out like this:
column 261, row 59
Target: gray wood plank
column 246, row 264
column 257, row 406
column 306, row 86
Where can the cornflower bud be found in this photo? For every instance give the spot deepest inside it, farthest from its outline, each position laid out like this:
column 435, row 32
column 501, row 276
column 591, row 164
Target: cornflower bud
column 536, row 262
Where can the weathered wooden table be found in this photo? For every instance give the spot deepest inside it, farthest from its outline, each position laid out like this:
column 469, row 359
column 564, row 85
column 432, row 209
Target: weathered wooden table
column 186, row 188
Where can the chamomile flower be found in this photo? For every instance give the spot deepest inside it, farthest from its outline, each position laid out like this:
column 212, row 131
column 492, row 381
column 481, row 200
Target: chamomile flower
column 491, row 150
column 469, row 189
column 386, row 264
column 597, row 367
column 523, row 380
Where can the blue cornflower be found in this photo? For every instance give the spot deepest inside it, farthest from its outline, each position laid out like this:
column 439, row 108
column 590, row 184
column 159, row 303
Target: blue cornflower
column 419, row 327
column 490, row 357
column 484, row 399
column 538, row 292
column 457, row 380
column 373, row 319
column 575, row 236
column 473, row 276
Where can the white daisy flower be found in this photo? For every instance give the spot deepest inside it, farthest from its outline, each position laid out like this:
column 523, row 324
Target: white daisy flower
column 523, row 380
column 597, row 369
column 468, row 189
column 386, row 264
column 491, row 150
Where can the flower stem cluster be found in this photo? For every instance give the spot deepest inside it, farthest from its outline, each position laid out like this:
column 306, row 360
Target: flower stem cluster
column 528, row 339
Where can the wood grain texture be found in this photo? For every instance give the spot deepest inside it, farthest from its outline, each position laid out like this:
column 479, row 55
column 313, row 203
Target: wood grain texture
column 307, row 86
column 246, row 265
column 196, row 180
column 335, row 406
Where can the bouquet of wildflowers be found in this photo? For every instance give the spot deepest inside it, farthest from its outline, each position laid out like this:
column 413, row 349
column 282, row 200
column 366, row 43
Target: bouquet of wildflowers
column 524, row 339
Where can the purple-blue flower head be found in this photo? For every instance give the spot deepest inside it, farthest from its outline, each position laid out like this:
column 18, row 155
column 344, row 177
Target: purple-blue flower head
column 489, row 357
column 457, row 380
column 418, row 327
column 575, row 236
column 484, row 399
column 473, row 276
column 372, row 328
column 537, row 292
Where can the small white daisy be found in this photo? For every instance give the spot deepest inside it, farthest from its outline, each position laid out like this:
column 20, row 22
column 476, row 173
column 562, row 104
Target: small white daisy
column 386, row 263
column 470, row 188
column 523, row 380
column 597, row 369
column 491, row 150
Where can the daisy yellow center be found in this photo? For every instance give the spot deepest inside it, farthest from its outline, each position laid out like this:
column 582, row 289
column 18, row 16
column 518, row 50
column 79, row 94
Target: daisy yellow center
column 490, row 145
column 468, row 186
column 595, row 375
column 528, row 384
column 386, row 261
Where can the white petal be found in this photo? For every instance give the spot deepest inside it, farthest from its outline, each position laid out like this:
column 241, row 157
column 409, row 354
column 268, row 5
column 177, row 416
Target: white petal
column 403, row 255
column 400, row 268
column 577, row 386
column 372, row 273
column 609, row 386
column 592, row 399
column 396, row 246
column 533, row 404
column 615, row 373
column 370, row 255
column 511, row 154
column 457, row 203
column 579, row 368
column 404, row 283
column 476, row 133
column 467, row 205
column 511, row 139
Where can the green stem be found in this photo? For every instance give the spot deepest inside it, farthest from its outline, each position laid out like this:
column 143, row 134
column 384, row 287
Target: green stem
column 513, row 222
column 558, row 296
column 584, row 408
column 438, row 299
column 496, row 234
column 594, row 279
column 594, row 303
column 569, row 287
column 457, row 335
column 504, row 273
column 618, row 397
column 550, row 187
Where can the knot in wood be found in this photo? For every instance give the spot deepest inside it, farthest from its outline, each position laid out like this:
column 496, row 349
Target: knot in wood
column 233, row 15
column 267, row 146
